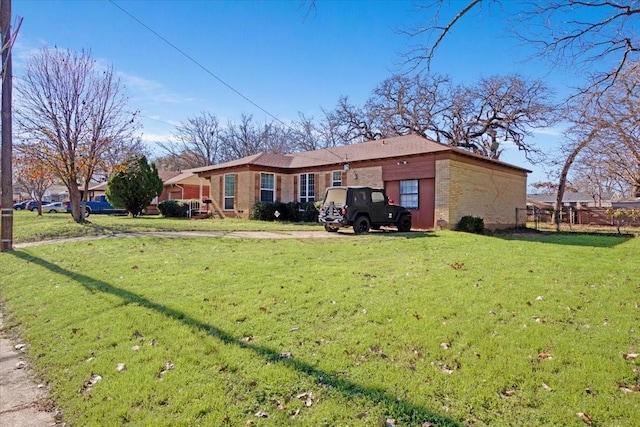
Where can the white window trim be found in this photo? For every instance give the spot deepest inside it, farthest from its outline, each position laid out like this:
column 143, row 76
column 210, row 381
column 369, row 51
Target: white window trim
column 273, row 190
column 307, row 197
column 333, row 181
column 225, row 196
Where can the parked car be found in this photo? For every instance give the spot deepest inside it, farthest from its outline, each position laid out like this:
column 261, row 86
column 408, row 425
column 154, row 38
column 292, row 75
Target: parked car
column 99, row 205
column 361, row 208
column 23, row 205
column 32, row 205
column 54, row 207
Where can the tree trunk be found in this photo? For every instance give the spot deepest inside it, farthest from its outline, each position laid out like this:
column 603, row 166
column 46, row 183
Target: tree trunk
column 74, row 197
column 563, row 176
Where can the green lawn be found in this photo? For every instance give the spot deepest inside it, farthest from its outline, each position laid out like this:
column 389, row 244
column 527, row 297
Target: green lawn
column 29, row 227
column 445, row 328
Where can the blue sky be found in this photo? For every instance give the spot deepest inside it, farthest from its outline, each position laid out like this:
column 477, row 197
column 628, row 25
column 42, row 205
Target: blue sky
column 273, row 52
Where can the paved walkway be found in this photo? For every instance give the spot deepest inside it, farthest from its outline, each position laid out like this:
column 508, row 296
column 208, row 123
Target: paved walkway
column 24, row 403
column 228, row 234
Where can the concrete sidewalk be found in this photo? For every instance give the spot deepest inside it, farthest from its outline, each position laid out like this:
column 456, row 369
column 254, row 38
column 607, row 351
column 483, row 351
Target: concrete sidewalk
column 22, row 402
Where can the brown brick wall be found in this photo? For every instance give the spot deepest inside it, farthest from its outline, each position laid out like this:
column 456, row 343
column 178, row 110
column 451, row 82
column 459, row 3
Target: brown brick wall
column 492, row 193
column 442, row 205
column 463, row 186
column 371, row 177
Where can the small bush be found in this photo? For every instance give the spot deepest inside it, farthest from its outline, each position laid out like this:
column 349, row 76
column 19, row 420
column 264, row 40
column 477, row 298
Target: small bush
column 471, row 224
column 279, row 211
column 308, row 212
column 173, row 209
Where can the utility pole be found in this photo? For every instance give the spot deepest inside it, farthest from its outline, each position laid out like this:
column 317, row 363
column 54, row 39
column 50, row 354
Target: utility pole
column 6, row 180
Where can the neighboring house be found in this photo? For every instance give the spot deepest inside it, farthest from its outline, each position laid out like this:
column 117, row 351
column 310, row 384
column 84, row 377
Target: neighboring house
column 439, row 183
column 183, row 185
column 577, row 208
column 570, row 198
column 56, row 193
column 630, row 203
column 178, row 185
column 97, row 189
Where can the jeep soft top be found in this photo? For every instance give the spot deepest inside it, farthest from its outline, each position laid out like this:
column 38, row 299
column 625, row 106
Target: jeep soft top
column 361, row 208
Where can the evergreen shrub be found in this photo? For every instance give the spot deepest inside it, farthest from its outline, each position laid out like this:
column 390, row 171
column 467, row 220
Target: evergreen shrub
column 173, row 209
column 471, row 224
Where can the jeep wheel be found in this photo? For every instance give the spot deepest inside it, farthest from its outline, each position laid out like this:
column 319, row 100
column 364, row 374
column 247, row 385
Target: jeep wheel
column 330, row 229
column 361, row 226
column 404, row 224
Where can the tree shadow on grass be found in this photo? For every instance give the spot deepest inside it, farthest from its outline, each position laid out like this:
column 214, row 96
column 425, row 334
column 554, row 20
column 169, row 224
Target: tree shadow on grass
column 598, row 240
column 391, row 232
column 399, row 409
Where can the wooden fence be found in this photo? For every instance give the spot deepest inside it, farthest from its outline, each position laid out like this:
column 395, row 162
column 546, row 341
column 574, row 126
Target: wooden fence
column 581, row 216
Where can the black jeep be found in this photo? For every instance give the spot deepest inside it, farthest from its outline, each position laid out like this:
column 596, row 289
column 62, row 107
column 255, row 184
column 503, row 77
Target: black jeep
column 361, row 208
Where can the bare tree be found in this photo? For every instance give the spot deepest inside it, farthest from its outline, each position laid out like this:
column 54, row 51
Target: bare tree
column 598, row 171
column 599, row 34
column 607, row 120
column 75, row 114
column 197, row 143
column 176, row 162
column 497, row 110
column 247, row 138
column 618, row 143
column 306, row 134
column 400, row 105
column 621, row 108
column 603, row 34
column 419, row 56
column 355, row 124
column 31, row 173
column 411, row 105
column 329, row 129
column 309, row 135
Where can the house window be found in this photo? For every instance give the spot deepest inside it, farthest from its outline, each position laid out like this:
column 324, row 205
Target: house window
column 409, row 193
column 307, row 188
column 267, row 187
column 229, row 191
column 336, row 178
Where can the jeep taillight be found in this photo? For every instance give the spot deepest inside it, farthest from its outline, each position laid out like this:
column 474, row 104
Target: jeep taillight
column 344, row 211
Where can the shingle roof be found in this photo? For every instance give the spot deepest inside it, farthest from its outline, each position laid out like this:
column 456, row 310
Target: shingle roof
column 400, row 146
column 631, row 202
column 177, row 178
column 101, row 186
column 566, row 197
column 166, row 174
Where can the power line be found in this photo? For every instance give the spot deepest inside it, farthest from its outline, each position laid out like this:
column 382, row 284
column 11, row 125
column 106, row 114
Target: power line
column 206, row 70
column 190, row 58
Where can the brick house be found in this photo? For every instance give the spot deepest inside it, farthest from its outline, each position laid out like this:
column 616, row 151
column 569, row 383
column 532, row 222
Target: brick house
column 439, row 183
column 177, row 185
column 183, row 185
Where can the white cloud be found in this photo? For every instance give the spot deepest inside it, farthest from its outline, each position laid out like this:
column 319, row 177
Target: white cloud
column 155, row 137
column 552, row 131
column 151, row 90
